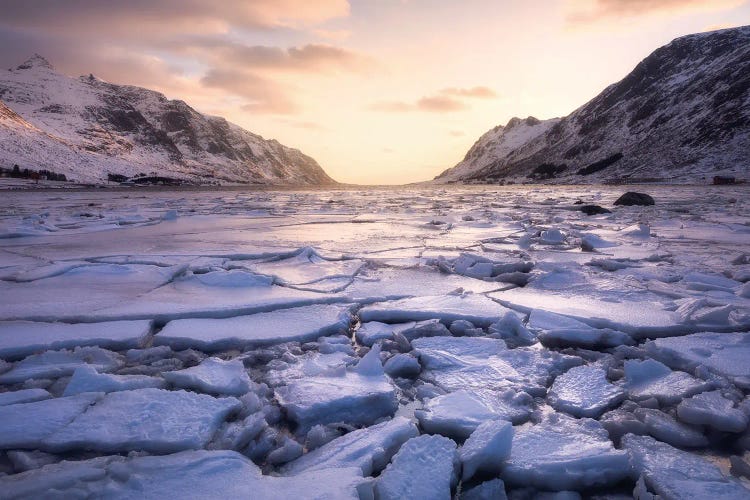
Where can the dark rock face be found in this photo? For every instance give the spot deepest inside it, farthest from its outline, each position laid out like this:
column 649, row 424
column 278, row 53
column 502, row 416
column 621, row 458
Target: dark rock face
column 632, row 198
column 681, row 115
column 594, row 210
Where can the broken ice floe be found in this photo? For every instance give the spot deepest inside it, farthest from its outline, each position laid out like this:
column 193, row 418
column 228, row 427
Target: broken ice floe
column 19, row 339
column 346, row 329
column 244, row 332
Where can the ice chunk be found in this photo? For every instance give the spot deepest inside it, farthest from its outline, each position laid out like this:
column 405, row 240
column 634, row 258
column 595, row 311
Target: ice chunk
column 427, row 328
column 25, row 425
column 557, row 330
column 27, row 460
column 622, row 421
column 54, row 364
column 488, row 490
column 424, row 467
column 238, row 434
column 725, row 354
column 637, row 316
column 372, row 331
column 19, row 339
column 152, row 420
column 212, row 376
column 87, row 379
column 510, row 327
column 307, row 266
column 552, row 237
column 288, row 451
column 403, row 365
column 189, row 474
column 370, row 449
column 664, row 428
column 714, row 410
column 370, row 364
column 651, row 379
column 458, row 414
column 351, row 397
column 300, row 324
column 487, row 447
column 673, row 473
column 477, row 309
column 584, row 391
column 564, row 454
column 23, row 396
column 486, row 365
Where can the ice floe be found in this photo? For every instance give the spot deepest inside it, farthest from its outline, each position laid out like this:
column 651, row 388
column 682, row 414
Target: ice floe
column 725, row 354
column 584, row 391
column 299, row 324
column 86, row 379
column 54, row 364
column 477, row 309
column 424, row 467
column 358, row 397
column 673, row 473
column 26, row 425
column 652, row 379
column 212, row 376
column 19, row 339
column 152, row 420
column 487, row 448
column 189, row 474
column 562, row 454
column 369, row 449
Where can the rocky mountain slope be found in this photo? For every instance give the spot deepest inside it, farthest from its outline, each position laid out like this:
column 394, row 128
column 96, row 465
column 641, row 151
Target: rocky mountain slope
column 682, row 115
column 89, row 129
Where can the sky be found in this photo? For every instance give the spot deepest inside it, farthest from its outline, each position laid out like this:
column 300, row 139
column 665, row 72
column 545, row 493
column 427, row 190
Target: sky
column 377, row 91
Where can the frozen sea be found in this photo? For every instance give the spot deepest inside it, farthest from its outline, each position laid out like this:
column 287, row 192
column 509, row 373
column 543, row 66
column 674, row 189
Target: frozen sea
column 460, row 342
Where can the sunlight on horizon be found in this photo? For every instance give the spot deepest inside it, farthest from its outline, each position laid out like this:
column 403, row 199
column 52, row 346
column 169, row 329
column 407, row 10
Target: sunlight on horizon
column 386, row 92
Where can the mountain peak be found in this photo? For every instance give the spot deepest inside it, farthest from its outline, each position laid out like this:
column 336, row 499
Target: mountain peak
column 36, row 61
column 530, row 121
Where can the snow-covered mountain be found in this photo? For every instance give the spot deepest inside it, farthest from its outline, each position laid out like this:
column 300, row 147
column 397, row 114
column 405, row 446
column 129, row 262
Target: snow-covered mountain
column 681, row 115
column 88, row 129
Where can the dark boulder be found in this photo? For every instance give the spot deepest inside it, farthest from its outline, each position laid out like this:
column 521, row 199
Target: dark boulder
column 632, row 198
column 594, row 210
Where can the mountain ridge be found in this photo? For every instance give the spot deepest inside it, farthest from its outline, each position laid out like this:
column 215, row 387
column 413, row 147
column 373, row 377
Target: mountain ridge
column 682, row 114
column 91, row 130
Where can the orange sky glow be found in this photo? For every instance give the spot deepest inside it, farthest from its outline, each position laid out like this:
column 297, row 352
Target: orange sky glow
column 378, row 91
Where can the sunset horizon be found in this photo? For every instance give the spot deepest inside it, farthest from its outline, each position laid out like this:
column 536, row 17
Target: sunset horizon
column 388, row 93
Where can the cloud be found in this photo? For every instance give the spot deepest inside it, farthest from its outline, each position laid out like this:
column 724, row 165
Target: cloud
column 447, row 100
column 431, row 104
column 337, row 35
column 440, row 104
column 586, row 11
column 392, row 106
column 151, row 17
column 179, row 45
column 262, row 95
column 310, row 57
column 477, row 92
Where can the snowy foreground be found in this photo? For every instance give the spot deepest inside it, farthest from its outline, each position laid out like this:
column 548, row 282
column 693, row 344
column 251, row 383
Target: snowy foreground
column 421, row 344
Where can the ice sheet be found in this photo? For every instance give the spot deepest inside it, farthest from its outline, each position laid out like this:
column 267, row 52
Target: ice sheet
column 300, row 324
column 19, row 339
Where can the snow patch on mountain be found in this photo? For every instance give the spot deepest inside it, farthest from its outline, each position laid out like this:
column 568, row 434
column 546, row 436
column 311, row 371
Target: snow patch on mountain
column 87, row 129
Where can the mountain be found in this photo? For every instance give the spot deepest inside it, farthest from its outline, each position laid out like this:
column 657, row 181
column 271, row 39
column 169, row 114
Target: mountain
column 88, row 129
column 683, row 114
